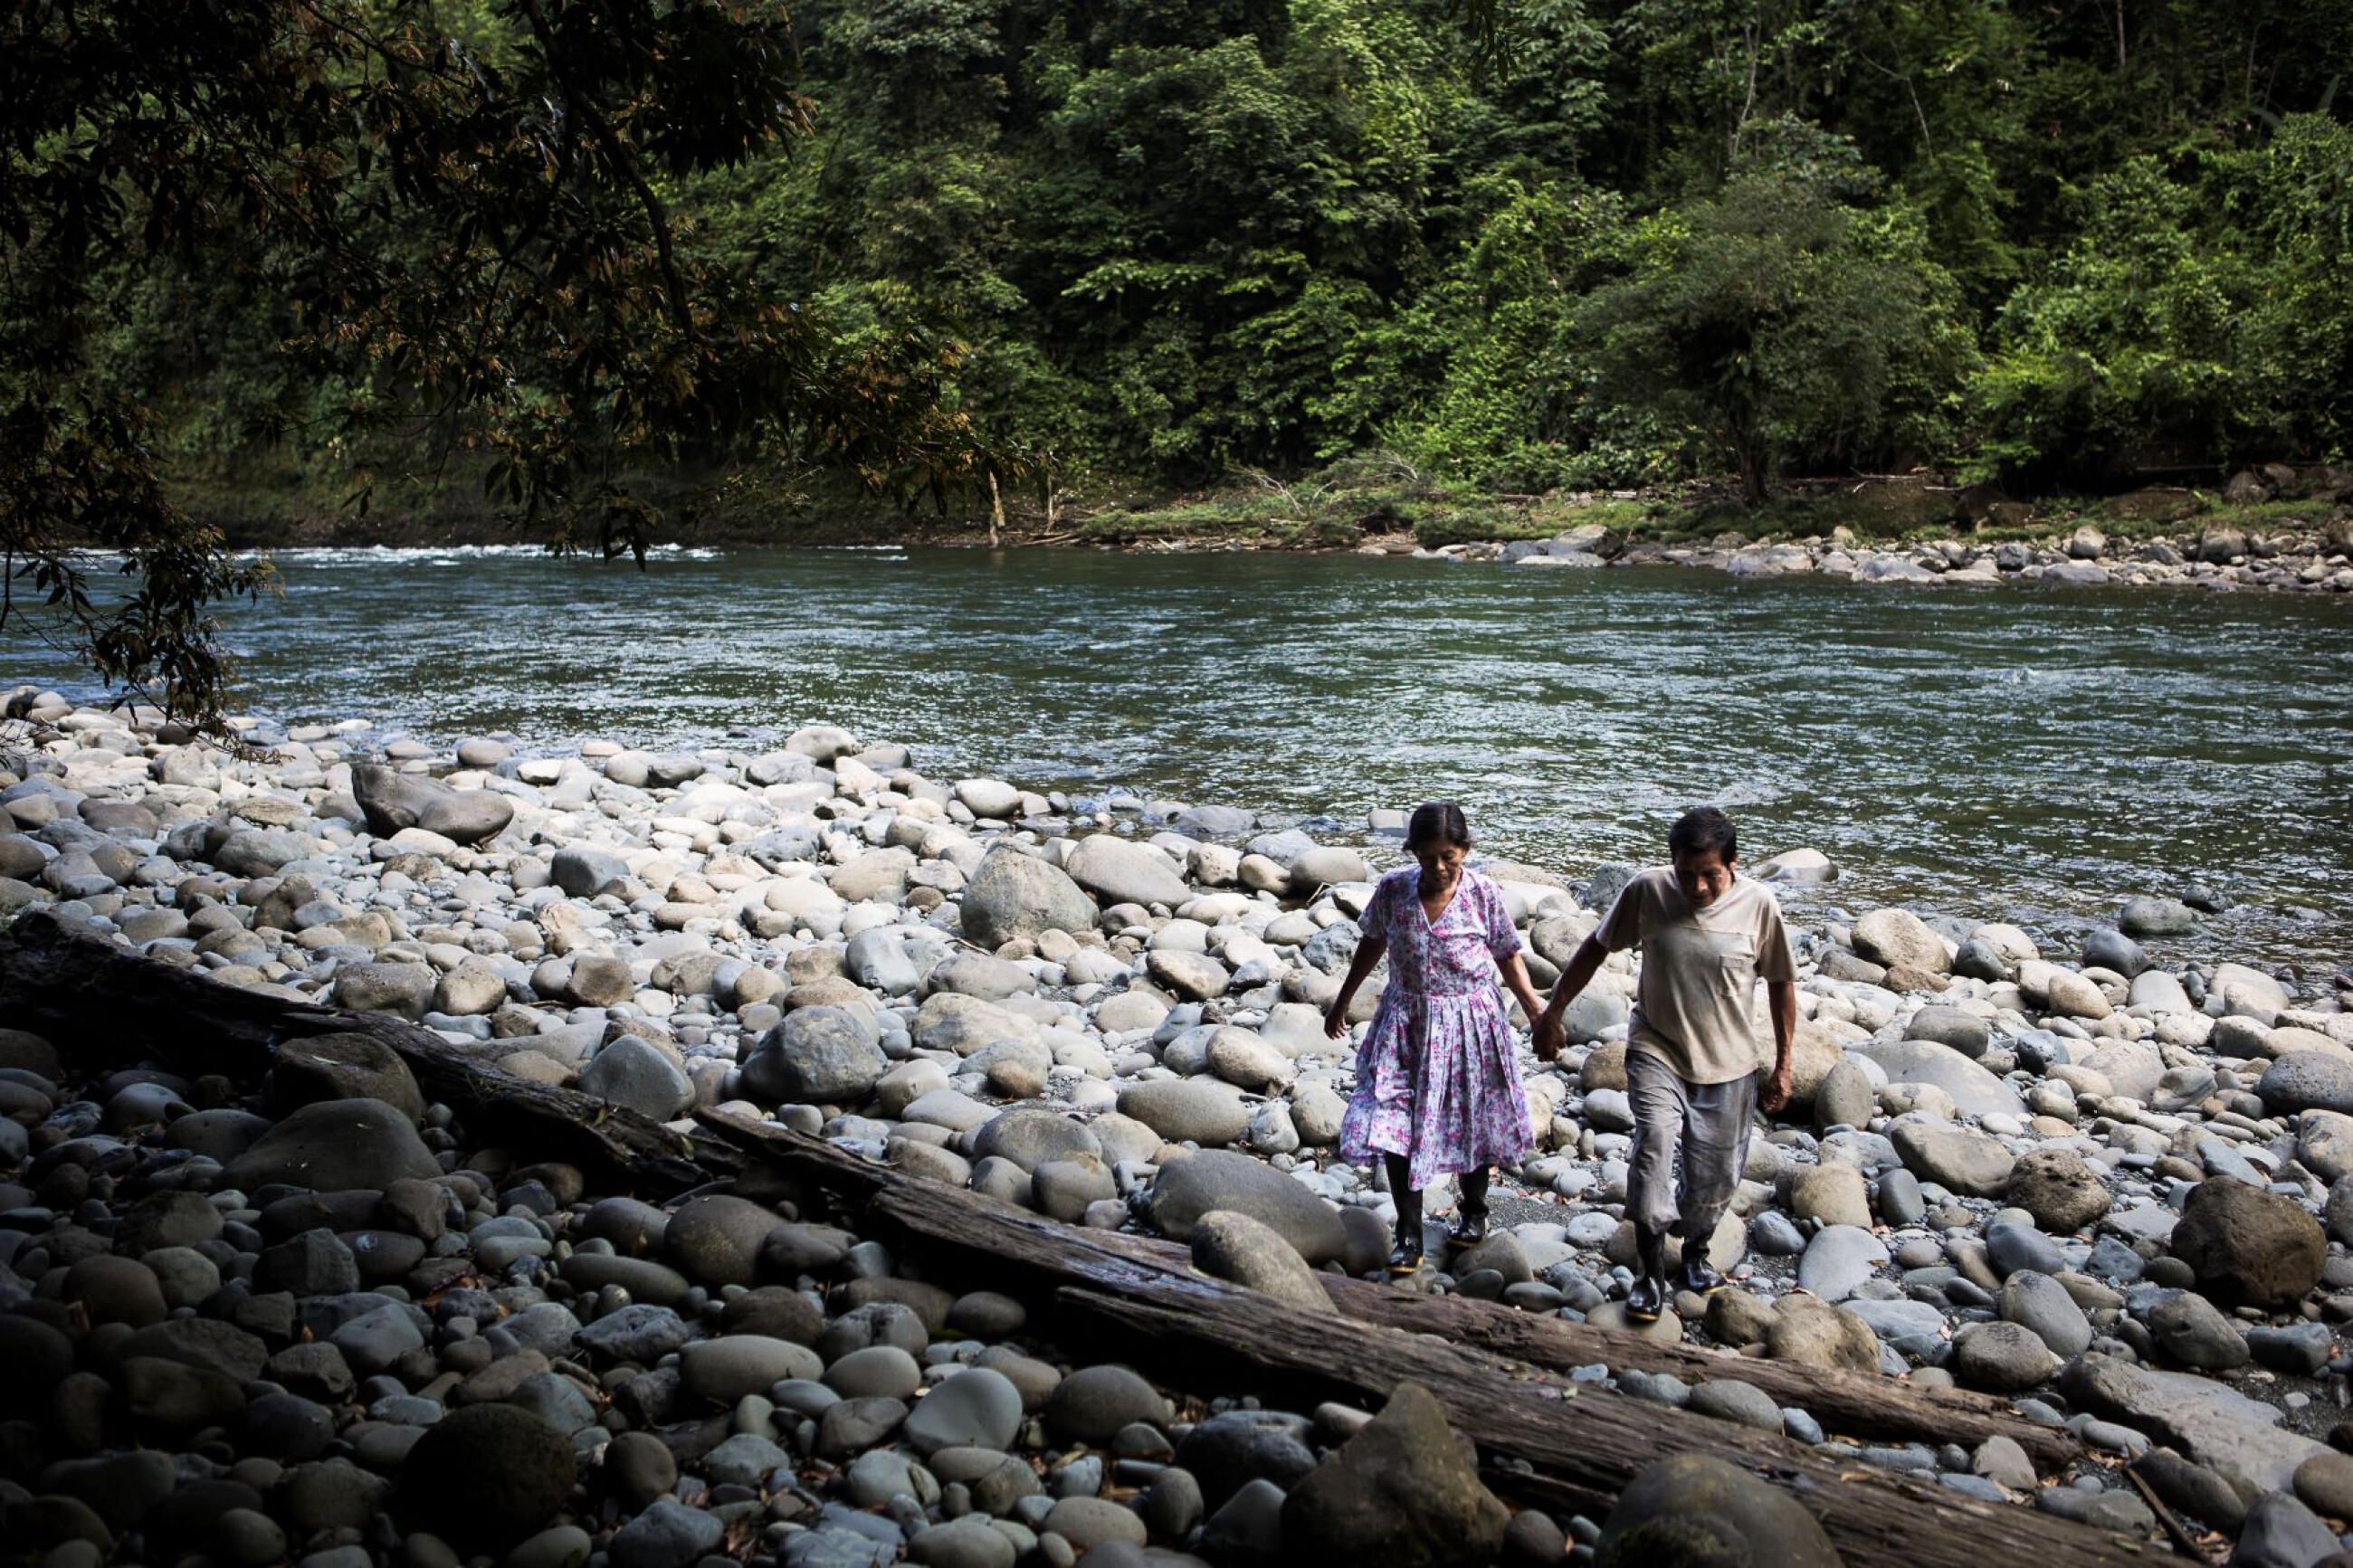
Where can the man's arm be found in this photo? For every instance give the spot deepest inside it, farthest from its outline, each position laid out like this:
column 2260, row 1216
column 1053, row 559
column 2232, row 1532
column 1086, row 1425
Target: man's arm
column 1781, row 995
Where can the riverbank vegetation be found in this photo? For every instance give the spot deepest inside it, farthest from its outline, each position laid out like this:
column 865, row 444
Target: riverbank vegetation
column 1122, row 268
column 1159, row 247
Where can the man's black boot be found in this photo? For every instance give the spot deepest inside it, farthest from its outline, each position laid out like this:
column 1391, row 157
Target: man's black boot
column 1649, row 1297
column 1695, row 1275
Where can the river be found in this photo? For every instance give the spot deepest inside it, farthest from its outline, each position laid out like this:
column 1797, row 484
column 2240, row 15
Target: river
column 2030, row 754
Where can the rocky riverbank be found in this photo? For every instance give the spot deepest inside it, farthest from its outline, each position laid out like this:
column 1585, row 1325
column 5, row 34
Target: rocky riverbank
column 313, row 1317
column 2280, row 529
column 2225, row 559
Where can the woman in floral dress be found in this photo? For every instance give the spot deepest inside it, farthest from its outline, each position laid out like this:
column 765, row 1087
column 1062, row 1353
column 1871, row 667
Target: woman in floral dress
column 1438, row 1091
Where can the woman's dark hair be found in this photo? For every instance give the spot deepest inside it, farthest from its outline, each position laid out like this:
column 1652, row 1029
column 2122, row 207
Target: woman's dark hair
column 1439, row 821
column 1701, row 829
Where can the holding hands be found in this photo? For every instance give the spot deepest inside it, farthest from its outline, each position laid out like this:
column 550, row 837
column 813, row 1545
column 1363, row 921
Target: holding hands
column 1549, row 1038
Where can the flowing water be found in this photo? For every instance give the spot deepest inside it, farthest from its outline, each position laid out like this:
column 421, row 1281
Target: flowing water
column 2031, row 753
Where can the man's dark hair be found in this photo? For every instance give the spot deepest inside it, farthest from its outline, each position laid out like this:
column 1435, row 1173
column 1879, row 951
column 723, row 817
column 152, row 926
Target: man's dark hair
column 1440, row 822
column 1701, row 829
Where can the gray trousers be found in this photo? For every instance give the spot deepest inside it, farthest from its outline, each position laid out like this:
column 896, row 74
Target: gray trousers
column 1691, row 1143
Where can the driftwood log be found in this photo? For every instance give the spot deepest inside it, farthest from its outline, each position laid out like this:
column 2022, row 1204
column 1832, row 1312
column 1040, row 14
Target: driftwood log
column 105, row 1005
column 1544, row 1441
column 1013, row 1238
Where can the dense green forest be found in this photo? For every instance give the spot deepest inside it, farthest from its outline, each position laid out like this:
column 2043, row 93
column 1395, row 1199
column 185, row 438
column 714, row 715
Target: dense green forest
column 1621, row 241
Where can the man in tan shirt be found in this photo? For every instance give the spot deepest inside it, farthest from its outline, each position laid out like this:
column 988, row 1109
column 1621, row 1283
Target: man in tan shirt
column 1708, row 935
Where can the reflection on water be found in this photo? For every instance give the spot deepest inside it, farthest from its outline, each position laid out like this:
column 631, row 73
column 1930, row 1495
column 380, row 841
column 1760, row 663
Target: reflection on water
column 2030, row 752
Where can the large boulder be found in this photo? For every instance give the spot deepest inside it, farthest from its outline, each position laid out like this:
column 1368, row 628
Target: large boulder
column 1961, row 1159
column 404, row 989
column 2001, row 1357
column 335, row 1145
column 949, row 1021
column 349, row 1066
column 2059, row 1188
column 1119, row 872
column 1974, row 1090
column 391, row 801
column 2307, row 1080
column 1033, row 1136
column 716, row 1238
column 1187, row 1111
column 2247, row 1244
column 1951, row 1026
column 1014, row 895
column 1815, row 1333
column 820, row 1055
column 1893, row 937
column 488, row 1474
column 584, row 873
column 1220, row 1179
column 633, row 1072
column 1402, row 1492
column 2156, row 917
column 2238, row 1438
column 1251, row 1254
column 1697, row 1509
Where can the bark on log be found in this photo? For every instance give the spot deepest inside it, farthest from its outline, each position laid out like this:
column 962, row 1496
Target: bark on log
column 1847, row 1403
column 1580, row 1444
column 100, row 1004
column 1546, row 1442
column 1583, row 1444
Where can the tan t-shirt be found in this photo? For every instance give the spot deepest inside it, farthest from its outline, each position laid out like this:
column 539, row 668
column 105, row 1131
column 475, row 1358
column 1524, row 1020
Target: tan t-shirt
column 1695, row 1002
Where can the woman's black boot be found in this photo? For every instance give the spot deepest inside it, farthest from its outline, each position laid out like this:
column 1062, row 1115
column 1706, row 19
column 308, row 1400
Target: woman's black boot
column 1470, row 1220
column 1404, row 1257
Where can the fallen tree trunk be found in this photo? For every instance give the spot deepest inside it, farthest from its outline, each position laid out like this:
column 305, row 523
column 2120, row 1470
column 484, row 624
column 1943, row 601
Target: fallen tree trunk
column 1850, row 1402
column 100, row 1004
column 1545, row 1442
column 1582, row 1445
column 1860, row 1404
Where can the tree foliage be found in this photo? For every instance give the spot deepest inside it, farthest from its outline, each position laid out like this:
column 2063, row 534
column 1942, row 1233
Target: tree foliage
column 1776, row 319
column 1180, row 240
column 1524, row 243
column 452, row 222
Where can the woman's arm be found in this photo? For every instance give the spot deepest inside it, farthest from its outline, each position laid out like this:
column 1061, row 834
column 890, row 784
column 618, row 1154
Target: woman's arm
column 1368, row 953
column 1517, row 982
column 1583, row 965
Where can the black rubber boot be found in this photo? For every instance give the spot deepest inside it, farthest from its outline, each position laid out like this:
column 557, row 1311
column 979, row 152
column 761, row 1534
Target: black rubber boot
column 1697, row 1276
column 1404, row 1257
column 1649, row 1297
column 1470, row 1218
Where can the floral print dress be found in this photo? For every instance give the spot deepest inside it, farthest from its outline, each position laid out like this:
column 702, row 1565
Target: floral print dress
column 1436, row 1081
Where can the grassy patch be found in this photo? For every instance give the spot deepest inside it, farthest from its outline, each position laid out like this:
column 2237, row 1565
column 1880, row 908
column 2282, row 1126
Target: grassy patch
column 2277, row 516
